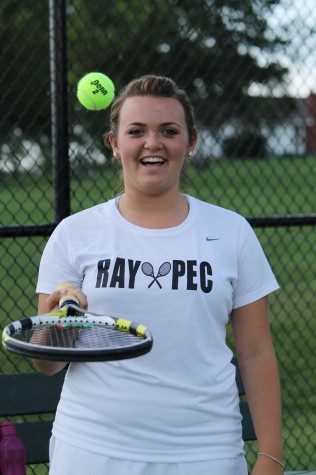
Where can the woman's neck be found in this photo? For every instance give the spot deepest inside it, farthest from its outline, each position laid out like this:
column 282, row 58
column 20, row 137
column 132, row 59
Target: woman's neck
column 154, row 212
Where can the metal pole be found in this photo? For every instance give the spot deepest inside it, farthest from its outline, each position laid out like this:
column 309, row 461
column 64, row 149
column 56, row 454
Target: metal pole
column 59, row 107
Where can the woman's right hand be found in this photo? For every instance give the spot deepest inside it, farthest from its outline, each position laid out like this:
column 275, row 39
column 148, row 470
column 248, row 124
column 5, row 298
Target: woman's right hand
column 50, row 303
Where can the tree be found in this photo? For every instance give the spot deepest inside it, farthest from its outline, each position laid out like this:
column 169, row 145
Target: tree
column 210, row 47
column 24, row 71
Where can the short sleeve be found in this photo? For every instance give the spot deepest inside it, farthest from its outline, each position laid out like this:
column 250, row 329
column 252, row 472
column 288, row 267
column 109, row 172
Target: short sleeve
column 55, row 266
column 255, row 278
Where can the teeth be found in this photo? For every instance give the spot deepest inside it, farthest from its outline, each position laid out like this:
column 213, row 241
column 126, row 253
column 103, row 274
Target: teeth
column 153, row 160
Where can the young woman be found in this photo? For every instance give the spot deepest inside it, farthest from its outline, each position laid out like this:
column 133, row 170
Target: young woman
column 174, row 411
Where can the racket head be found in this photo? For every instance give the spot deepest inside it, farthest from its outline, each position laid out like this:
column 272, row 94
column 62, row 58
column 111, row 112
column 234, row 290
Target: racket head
column 148, row 269
column 75, row 335
column 164, row 269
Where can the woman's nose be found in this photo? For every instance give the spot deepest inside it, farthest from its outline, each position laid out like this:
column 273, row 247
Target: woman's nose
column 153, row 141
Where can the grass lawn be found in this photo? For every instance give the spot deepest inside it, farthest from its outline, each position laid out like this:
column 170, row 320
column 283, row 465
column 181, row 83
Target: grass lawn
column 250, row 188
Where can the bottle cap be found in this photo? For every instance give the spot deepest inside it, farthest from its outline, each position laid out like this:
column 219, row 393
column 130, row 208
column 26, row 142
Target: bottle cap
column 7, row 428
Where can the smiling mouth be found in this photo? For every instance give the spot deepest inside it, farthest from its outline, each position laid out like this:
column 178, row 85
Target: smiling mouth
column 147, row 161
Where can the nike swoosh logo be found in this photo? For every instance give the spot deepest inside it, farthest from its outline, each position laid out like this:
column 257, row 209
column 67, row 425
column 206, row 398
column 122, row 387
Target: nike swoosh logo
column 212, row 239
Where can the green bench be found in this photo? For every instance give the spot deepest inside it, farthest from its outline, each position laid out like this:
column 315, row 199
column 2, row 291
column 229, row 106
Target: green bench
column 32, row 396
column 30, row 399
column 248, row 431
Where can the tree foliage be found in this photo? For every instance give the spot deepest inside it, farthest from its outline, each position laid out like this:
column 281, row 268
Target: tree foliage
column 24, row 66
column 210, row 47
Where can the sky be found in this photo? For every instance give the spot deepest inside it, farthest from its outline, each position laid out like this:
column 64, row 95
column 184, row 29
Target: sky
column 300, row 17
column 297, row 20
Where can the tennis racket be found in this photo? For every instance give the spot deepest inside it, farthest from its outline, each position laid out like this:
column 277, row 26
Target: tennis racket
column 75, row 334
column 148, row 270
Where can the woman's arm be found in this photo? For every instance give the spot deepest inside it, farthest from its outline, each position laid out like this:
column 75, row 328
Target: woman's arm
column 259, row 371
column 49, row 303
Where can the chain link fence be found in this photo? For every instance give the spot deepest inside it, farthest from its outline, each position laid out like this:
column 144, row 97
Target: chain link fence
column 250, row 69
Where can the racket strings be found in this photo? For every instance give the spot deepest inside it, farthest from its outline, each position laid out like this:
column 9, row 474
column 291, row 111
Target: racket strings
column 164, row 269
column 90, row 337
column 99, row 337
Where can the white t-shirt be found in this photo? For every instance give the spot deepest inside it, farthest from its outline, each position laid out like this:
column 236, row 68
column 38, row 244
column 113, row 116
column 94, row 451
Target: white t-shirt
column 179, row 402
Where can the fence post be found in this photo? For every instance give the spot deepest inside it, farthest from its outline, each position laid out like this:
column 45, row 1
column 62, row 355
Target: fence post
column 59, row 107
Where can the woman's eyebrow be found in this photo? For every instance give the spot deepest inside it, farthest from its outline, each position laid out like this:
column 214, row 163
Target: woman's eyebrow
column 142, row 124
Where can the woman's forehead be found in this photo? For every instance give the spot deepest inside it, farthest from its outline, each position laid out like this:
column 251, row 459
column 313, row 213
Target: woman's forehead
column 143, row 109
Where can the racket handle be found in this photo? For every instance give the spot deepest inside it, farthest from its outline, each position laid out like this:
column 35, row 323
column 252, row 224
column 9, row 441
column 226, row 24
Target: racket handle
column 67, row 299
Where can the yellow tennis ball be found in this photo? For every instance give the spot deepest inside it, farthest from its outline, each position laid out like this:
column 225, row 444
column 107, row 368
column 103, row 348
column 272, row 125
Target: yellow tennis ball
column 95, row 91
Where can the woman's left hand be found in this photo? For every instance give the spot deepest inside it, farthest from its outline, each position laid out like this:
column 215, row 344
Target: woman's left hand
column 266, row 466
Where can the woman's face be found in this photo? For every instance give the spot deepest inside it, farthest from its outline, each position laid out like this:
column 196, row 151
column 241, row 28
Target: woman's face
column 152, row 142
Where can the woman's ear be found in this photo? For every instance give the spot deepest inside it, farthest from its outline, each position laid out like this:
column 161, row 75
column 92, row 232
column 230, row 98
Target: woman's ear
column 193, row 143
column 113, row 143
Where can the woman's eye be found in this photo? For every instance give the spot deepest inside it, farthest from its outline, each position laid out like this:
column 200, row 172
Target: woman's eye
column 170, row 132
column 135, row 132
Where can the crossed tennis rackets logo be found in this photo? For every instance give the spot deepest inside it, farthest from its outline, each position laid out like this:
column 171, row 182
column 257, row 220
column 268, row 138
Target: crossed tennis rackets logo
column 163, row 270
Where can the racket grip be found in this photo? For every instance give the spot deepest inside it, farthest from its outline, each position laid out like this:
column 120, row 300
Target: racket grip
column 67, row 299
